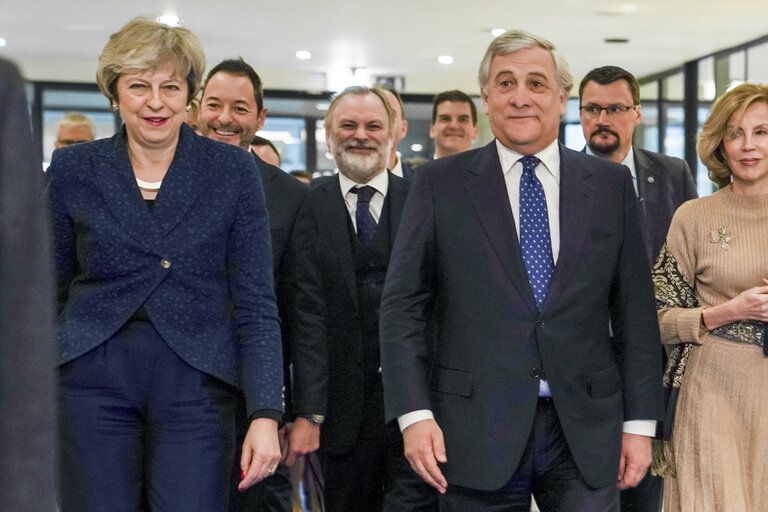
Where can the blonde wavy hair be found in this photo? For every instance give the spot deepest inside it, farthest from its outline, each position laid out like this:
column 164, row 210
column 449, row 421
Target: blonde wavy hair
column 145, row 44
column 710, row 144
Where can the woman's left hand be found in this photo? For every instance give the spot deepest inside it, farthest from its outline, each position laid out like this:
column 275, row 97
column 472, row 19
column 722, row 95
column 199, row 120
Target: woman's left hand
column 261, row 452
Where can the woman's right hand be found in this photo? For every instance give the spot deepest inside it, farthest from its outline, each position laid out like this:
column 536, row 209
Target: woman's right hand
column 751, row 304
column 261, row 452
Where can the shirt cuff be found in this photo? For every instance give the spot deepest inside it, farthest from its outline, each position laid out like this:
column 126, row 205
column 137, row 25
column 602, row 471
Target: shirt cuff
column 640, row 427
column 408, row 419
column 272, row 414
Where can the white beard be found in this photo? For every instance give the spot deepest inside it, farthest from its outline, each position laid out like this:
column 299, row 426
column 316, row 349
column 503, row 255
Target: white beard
column 360, row 168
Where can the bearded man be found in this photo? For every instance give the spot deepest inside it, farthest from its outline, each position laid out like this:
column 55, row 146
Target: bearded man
column 343, row 238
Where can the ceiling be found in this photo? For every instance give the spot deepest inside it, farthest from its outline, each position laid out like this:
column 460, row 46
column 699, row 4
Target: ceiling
column 61, row 40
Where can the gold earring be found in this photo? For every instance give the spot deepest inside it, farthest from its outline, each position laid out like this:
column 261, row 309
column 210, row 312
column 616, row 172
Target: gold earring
column 189, row 107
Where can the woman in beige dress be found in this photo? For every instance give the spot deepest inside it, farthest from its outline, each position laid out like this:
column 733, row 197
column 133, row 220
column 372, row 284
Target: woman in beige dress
column 712, row 294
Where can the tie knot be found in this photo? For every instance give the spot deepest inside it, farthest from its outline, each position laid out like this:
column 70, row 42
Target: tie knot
column 364, row 194
column 529, row 162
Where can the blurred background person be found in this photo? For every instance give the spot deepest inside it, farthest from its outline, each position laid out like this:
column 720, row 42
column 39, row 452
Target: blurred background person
column 73, row 128
column 266, row 150
column 711, row 291
column 232, row 111
column 396, row 165
column 165, row 295
column 454, row 123
column 27, row 405
column 609, row 111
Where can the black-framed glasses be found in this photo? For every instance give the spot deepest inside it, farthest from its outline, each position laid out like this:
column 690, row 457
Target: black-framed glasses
column 611, row 110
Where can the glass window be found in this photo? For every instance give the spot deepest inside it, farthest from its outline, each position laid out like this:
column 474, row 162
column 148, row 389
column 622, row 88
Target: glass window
column 737, row 71
column 757, row 63
column 706, row 86
column 674, row 135
column 646, row 135
column 672, row 87
column 325, row 163
column 289, row 135
column 704, row 186
column 649, row 91
column 572, row 133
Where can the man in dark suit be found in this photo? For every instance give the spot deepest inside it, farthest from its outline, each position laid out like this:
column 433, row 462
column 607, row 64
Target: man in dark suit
column 27, row 407
column 521, row 253
column 232, row 111
column 609, row 99
column 609, row 111
column 396, row 165
column 344, row 236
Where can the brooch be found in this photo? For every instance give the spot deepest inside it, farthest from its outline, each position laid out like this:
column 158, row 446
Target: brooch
column 720, row 237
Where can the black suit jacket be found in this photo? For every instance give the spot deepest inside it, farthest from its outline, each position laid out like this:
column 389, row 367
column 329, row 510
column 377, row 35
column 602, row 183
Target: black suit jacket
column 200, row 262
column 330, row 378
column 663, row 184
column 457, row 259
column 285, row 195
column 27, row 407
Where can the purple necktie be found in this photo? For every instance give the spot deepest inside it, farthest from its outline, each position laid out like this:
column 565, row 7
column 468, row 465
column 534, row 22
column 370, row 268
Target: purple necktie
column 366, row 225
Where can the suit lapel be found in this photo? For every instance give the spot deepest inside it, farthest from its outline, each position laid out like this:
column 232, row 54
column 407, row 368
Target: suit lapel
column 576, row 197
column 647, row 190
column 115, row 178
column 487, row 191
column 182, row 183
column 397, row 193
column 334, row 217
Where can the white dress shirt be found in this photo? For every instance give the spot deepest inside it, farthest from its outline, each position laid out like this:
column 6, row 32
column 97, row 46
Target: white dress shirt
column 380, row 182
column 397, row 170
column 629, row 161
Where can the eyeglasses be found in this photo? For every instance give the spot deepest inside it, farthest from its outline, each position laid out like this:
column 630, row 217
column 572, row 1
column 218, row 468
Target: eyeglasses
column 612, row 110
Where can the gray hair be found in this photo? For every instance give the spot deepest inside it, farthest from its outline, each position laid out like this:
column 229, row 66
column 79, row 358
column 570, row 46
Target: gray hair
column 515, row 40
column 360, row 90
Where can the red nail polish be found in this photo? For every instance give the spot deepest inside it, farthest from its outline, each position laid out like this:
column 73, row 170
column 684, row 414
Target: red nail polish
column 242, row 474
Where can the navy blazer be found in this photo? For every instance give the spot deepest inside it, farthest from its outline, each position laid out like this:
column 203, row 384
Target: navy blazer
column 200, row 262
column 457, row 262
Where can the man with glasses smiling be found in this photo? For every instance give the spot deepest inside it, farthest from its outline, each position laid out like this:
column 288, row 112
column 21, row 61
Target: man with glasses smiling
column 610, row 109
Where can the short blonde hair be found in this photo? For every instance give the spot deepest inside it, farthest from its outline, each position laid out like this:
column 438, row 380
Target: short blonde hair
column 144, row 44
column 710, row 145
column 515, row 40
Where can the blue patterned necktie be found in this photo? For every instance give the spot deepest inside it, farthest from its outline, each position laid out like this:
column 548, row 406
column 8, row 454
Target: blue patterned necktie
column 366, row 225
column 534, row 231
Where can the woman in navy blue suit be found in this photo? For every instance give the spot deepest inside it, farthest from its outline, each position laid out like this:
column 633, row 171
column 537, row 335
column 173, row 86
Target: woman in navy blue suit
column 165, row 295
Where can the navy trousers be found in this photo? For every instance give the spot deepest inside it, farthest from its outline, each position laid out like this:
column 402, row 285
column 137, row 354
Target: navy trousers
column 141, row 430
column 547, row 470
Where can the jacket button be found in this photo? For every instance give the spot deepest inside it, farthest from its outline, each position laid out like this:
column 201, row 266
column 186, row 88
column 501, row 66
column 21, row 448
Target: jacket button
column 165, row 263
column 535, row 373
column 379, row 369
